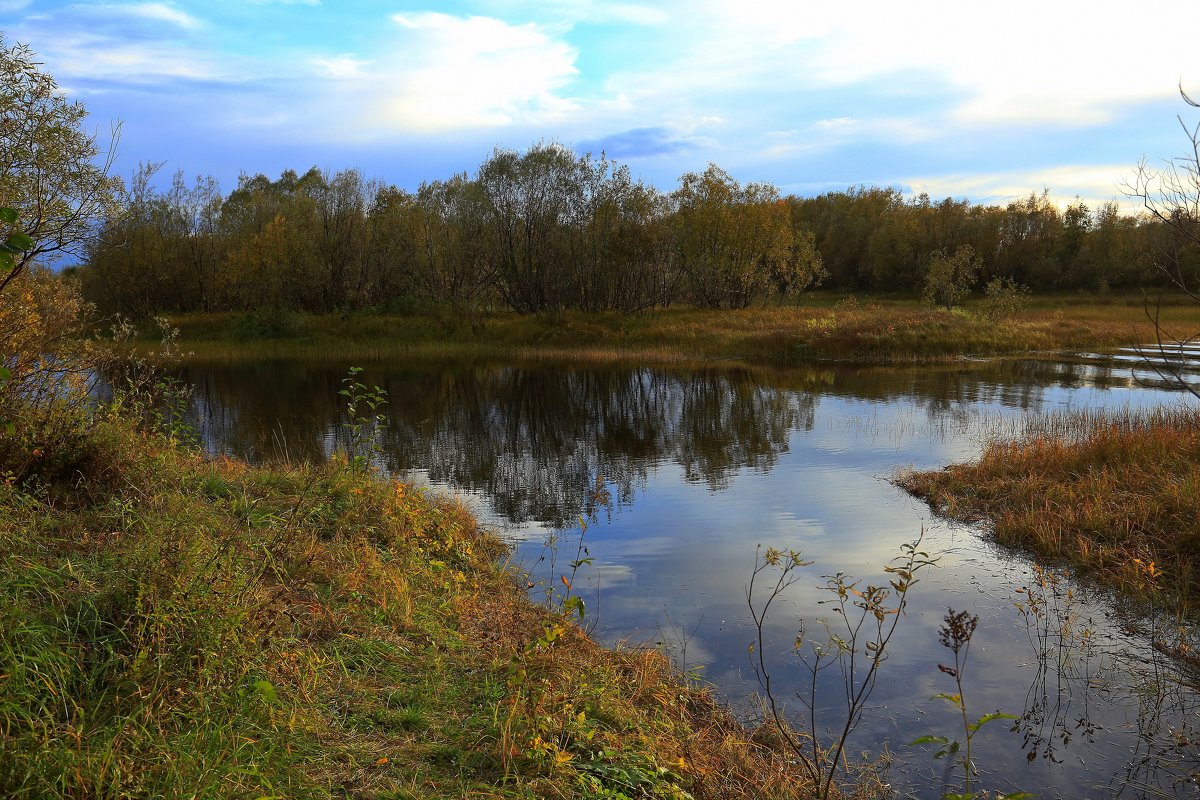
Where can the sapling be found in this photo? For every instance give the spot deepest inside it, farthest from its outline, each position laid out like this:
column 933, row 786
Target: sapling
column 958, row 627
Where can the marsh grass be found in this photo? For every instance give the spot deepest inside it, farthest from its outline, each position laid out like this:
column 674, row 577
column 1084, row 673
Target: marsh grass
column 176, row 627
column 1114, row 494
column 881, row 329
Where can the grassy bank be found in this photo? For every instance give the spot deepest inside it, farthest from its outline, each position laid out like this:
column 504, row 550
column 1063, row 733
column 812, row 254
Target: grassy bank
column 1115, row 496
column 824, row 327
column 177, row 627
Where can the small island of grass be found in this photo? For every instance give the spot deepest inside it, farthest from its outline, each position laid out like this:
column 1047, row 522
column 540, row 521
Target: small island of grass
column 1111, row 495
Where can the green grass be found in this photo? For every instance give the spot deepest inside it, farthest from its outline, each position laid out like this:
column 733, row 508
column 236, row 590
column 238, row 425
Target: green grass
column 176, row 627
column 1113, row 495
column 823, row 327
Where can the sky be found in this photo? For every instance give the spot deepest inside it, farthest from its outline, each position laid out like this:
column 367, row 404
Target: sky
column 979, row 100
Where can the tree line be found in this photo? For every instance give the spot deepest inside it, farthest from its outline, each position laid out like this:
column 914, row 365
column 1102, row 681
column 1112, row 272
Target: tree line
column 548, row 230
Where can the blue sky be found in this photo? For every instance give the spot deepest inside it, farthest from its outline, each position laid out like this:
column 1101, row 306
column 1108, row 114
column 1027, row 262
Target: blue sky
column 957, row 98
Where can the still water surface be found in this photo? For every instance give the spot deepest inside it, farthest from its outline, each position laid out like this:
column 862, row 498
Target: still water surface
column 680, row 473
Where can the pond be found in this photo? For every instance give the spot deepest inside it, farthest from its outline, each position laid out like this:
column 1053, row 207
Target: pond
column 666, row 479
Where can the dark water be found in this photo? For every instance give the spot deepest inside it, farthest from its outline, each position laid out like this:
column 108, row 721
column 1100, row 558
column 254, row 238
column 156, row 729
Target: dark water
column 679, row 473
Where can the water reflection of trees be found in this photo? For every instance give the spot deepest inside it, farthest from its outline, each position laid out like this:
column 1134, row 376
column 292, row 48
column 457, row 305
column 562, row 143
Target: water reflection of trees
column 946, row 391
column 535, row 441
column 266, row 412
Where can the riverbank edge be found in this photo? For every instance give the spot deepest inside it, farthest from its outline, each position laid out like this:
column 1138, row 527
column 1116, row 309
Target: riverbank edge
column 1110, row 495
column 881, row 330
column 184, row 626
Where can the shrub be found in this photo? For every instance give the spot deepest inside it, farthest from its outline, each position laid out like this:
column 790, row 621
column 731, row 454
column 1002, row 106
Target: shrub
column 950, row 277
column 45, row 364
column 1003, row 297
column 267, row 323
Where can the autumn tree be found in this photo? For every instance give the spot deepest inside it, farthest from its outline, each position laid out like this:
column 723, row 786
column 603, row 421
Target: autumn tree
column 391, row 247
column 160, row 251
column 732, row 241
column 339, row 203
column 256, row 218
column 52, row 194
column 528, row 198
column 270, row 260
column 571, row 231
column 453, row 265
column 53, row 172
column 1029, row 231
column 1170, row 195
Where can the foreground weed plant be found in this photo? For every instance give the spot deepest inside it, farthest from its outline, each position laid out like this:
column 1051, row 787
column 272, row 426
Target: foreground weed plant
column 955, row 634
column 364, row 420
column 856, row 645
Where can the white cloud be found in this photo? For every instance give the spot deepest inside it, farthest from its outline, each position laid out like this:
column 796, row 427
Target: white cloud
column 630, row 13
column 1027, row 61
column 343, row 67
column 97, row 57
column 836, row 123
column 592, row 11
column 453, row 72
column 598, row 11
column 798, row 90
column 79, row 55
column 157, row 12
column 133, row 43
column 1092, row 183
column 942, row 63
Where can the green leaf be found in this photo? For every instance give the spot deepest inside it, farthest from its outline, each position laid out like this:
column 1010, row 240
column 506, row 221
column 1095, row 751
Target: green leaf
column 5, row 373
column 264, row 689
column 20, row 241
column 928, row 740
column 956, row 699
column 986, row 718
column 574, row 603
column 8, row 215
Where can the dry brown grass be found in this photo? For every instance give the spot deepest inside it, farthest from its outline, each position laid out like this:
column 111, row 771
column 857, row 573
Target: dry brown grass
column 1116, row 496
column 684, row 726
column 887, row 329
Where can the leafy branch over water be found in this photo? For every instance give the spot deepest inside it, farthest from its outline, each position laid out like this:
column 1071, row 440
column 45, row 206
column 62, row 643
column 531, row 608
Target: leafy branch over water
column 366, row 422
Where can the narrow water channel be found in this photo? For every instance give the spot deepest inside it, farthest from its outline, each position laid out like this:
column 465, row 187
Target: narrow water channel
column 666, row 480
